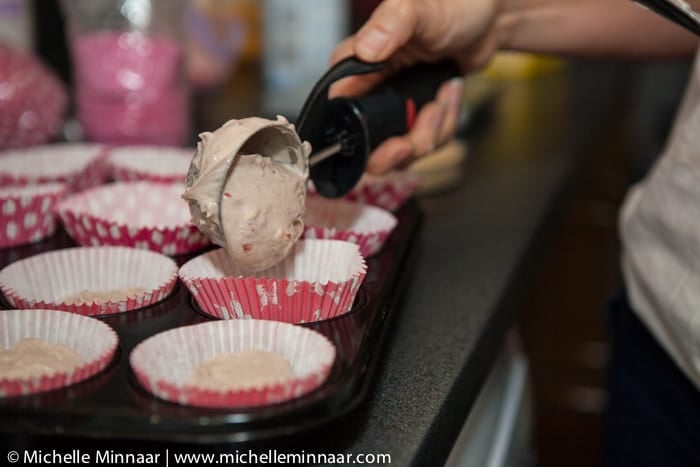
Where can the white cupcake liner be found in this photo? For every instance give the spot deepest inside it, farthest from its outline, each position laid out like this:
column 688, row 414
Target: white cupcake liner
column 26, row 212
column 317, row 281
column 164, row 363
column 49, row 280
column 95, row 341
column 78, row 165
column 144, row 215
column 151, row 163
column 337, row 219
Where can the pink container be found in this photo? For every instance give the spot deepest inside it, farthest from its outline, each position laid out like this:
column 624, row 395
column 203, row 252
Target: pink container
column 26, row 212
column 49, row 280
column 78, row 165
column 309, row 353
column 95, row 341
column 143, row 215
column 318, row 280
column 337, row 219
column 131, row 89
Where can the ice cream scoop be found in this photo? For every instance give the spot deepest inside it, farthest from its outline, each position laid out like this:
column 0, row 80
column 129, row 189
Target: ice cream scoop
column 246, row 189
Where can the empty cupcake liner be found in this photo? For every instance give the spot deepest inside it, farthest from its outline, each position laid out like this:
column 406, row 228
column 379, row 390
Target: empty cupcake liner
column 78, row 165
column 151, row 163
column 388, row 191
column 89, row 280
column 335, row 219
column 95, row 341
column 163, row 363
column 26, row 212
column 144, row 215
column 318, row 280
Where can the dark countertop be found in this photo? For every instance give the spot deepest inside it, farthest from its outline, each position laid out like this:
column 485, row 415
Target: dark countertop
column 479, row 246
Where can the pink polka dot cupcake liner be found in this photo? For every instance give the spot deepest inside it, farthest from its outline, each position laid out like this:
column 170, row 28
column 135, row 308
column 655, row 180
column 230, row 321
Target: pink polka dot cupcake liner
column 337, row 219
column 318, row 280
column 151, row 163
column 89, row 280
column 388, row 191
column 143, row 215
column 92, row 339
column 26, row 212
column 309, row 353
column 79, row 165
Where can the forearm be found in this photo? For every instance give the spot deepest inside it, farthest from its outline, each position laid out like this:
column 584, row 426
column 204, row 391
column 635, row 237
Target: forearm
column 608, row 28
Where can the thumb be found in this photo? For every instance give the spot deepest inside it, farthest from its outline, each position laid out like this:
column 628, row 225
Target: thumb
column 391, row 25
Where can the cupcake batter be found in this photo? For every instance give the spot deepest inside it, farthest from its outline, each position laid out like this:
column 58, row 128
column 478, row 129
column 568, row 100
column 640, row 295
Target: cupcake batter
column 242, row 370
column 31, row 358
column 117, row 295
column 247, row 189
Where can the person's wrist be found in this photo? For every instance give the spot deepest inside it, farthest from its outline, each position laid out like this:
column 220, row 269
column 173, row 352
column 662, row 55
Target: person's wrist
column 509, row 17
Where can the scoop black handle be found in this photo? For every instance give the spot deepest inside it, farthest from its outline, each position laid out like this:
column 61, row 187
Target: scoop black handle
column 390, row 110
column 362, row 123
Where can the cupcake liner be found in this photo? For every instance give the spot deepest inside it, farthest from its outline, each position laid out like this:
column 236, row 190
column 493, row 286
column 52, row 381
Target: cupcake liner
column 26, row 212
column 362, row 224
column 92, row 339
column 164, row 363
column 388, row 191
column 318, row 280
column 79, row 166
column 49, row 280
column 151, row 163
column 142, row 215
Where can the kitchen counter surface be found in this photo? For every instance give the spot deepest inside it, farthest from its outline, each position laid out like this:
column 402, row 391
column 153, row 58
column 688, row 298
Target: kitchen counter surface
column 479, row 246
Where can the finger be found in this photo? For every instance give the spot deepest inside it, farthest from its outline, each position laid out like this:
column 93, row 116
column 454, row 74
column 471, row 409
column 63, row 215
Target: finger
column 357, row 85
column 424, row 134
column 353, row 85
column 391, row 25
column 451, row 95
column 391, row 153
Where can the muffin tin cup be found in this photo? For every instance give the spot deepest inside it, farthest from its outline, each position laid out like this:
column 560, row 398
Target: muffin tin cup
column 95, row 341
column 26, row 212
column 150, row 163
column 143, row 215
column 79, row 165
column 163, row 363
column 318, row 280
column 48, row 280
column 362, row 224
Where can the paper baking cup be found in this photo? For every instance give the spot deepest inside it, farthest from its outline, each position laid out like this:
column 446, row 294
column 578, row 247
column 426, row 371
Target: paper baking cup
column 388, row 191
column 47, row 280
column 92, row 339
column 79, row 166
column 142, row 215
column 362, row 224
column 310, row 354
column 151, row 163
column 26, row 212
column 318, row 280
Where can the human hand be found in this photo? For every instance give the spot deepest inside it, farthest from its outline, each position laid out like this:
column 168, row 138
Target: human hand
column 405, row 32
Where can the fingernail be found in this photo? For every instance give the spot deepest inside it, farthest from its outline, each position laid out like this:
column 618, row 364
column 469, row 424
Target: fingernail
column 456, row 90
column 371, row 42
column 439, row 116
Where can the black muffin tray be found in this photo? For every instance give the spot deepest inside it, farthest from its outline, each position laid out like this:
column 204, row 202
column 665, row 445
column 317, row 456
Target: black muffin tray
column 113, row 405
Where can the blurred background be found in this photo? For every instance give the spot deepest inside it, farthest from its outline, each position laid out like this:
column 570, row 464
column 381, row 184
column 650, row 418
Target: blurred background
column 195, row 64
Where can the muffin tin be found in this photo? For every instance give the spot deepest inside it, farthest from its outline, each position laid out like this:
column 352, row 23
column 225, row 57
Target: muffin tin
column 113, row 405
